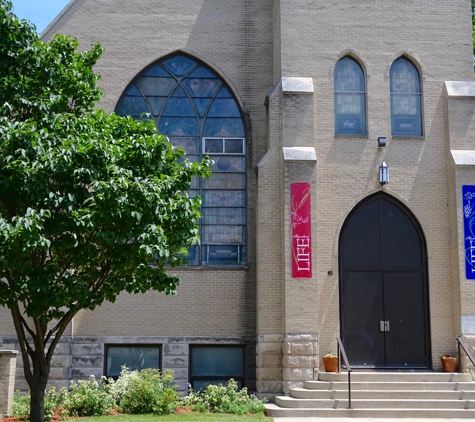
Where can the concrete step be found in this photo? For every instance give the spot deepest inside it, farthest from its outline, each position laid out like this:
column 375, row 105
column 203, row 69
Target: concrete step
column 376, row 385
column 396, row 376
column 303, row 393
column 375, row 403
column 381, row 395
column 276, row 411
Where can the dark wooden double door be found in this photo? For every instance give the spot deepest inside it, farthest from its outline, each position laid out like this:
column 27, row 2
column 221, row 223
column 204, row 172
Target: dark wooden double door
column 383, row 287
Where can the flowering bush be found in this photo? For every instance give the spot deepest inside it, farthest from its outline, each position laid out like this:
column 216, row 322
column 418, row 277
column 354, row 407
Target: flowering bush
column 147, row 391
column 89, row 398
column 53, row 401
column 224, row 399
column 117, row 389
column 150, row 392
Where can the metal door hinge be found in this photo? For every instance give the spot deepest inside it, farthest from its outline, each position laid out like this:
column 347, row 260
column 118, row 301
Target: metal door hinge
column 383, row 325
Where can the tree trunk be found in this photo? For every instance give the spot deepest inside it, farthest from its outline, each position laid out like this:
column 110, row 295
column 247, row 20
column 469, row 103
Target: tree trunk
column 37, row 382
column 37, row 385
column 36, row 362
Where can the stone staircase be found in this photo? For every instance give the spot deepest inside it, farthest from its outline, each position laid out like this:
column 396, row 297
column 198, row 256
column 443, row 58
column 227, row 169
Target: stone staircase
column 381, row 395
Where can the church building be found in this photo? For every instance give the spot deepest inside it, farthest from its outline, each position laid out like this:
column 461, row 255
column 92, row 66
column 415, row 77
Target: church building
column 342, row 199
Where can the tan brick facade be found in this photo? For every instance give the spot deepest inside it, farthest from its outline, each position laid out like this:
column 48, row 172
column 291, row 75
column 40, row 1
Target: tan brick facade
column 288, row 324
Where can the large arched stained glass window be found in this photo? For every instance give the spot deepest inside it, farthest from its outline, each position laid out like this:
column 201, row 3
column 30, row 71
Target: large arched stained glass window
column 195, row 109
column 350, row 98
column 406, row 116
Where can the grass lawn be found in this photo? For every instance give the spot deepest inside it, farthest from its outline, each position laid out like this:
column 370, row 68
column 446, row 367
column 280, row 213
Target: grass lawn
column 182, row 417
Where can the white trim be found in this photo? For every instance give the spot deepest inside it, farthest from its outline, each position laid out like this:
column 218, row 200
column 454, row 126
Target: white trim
column 460, row 89
column 463, row 157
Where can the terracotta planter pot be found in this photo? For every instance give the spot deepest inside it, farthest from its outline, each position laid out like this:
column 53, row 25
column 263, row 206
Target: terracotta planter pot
column 330, row 364
column 450, row 364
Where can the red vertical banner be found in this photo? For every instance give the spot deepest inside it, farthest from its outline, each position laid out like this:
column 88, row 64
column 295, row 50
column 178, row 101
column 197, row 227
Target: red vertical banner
column 301, row 220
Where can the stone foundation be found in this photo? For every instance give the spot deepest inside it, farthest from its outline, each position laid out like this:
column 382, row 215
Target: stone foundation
column 269, row 365
column 77, row 358
column 300, row 360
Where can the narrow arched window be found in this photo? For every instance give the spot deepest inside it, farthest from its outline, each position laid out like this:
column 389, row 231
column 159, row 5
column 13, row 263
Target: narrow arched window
column 350, row 98
column 196, row 110
column 405, row 88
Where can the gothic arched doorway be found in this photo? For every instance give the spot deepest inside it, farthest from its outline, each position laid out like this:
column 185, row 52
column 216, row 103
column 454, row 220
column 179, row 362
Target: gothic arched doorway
column 384, row 302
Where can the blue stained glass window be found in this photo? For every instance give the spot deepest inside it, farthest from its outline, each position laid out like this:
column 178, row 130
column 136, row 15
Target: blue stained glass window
column 350, row 98
column 191, row 105
column 157, row 71
column 179, row 126
column 156, row 104
column 224, row 198
column 179, row 65
column 133, row 90
column 179, row 92
column 224, row 216
column 224, row 108
column 223, row 127
column 202, row 72
column 190, row 145
column 132, row 106
column 201, row 87
column 228, row 164
column 179, row 106
column 224, row 180
column 201, row 105
column 157, row 86
column 405, row 90
column 224, row 93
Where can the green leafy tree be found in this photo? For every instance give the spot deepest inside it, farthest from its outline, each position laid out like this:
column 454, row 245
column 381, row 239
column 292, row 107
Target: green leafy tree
column 91, row 204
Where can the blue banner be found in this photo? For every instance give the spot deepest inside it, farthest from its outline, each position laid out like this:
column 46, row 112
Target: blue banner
column 468, row 198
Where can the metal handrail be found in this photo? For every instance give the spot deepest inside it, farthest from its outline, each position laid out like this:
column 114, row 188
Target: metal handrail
column 341, row 353
column 461, row 345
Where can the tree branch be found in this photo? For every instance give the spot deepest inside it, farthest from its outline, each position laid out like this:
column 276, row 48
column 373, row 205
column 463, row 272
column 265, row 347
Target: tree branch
column 25, row 325
column 24, row 346
column 60, row 327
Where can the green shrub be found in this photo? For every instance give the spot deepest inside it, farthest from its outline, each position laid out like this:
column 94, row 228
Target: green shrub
column 195, row 401
column 21, row 405
column 227, row 399
column 53, row 401
column 150, row 393
column 88, row 398
column 118, row 388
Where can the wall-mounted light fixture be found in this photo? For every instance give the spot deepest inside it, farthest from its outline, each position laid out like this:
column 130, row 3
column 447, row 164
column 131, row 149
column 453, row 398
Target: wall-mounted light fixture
column 383, row 173
column 382, row 141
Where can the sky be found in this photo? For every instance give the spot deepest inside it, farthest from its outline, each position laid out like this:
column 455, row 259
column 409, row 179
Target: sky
column 39, row 12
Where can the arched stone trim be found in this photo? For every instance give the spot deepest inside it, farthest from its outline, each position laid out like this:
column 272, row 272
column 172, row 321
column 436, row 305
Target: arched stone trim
column 360, row 198
column 413, row 58
column 355, row 56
